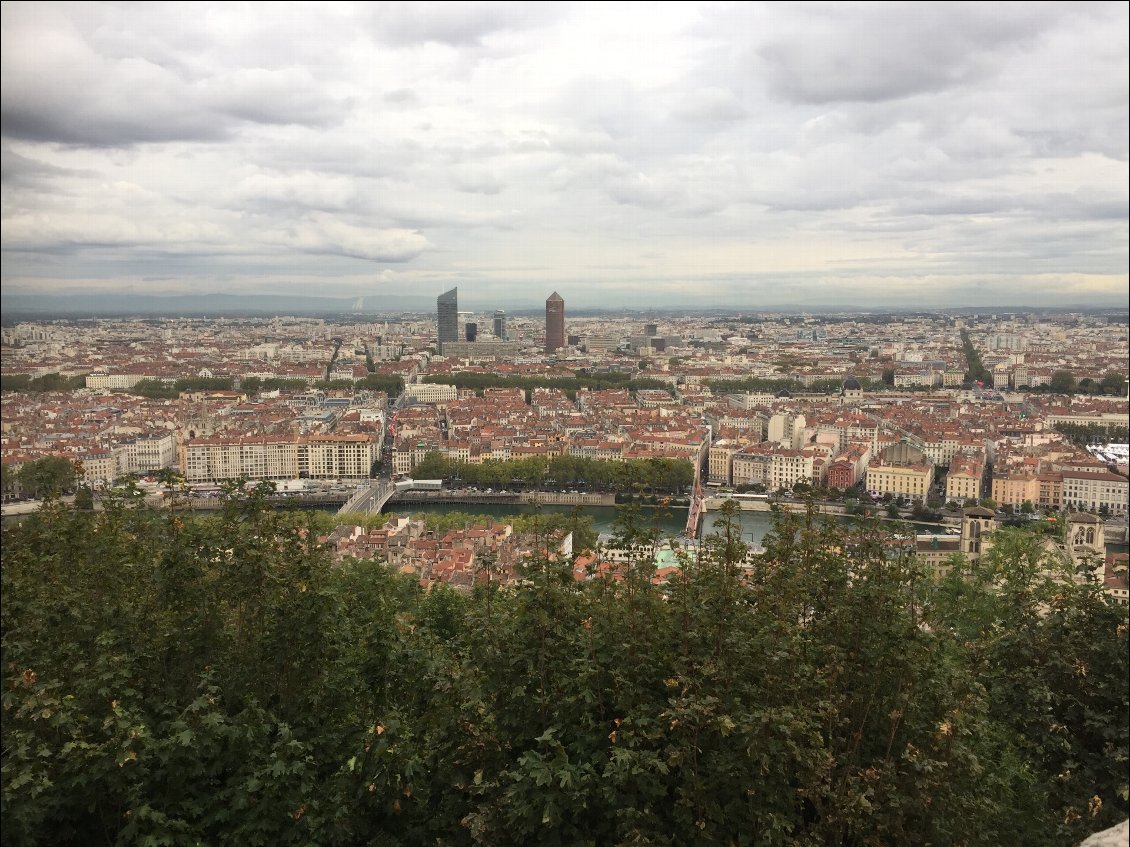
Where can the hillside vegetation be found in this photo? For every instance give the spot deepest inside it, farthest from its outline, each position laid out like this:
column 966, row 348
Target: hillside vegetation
column 176, row 680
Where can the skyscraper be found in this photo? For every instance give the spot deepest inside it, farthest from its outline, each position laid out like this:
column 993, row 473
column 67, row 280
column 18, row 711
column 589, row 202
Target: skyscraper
column 447, row 317
column 500, row 324
column 554, row 323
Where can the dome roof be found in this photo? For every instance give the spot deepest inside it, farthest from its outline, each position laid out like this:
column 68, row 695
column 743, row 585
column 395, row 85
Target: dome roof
column 784, row 392
column 851, row 384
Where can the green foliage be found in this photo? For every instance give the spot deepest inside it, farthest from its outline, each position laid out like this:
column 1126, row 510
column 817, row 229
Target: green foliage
column 655, row 475
column 1063, row 382
column 762, row 384
column 84, row 498
column 390, row 385
column 47, row 382
column 975, row 369
column 1113, row 383
column 255, row 385
column 50, row 476
column 570, row 385
column 159, row 389
column 1083, row 434
column 217, row 680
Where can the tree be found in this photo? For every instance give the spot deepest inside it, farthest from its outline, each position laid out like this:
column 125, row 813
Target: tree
column 84, row 498
column 172, row 679
column 1113, row 383
column 47, row 477
column 1063, row 382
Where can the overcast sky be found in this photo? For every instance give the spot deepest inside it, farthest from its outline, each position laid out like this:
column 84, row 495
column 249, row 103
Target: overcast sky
column 637, row 154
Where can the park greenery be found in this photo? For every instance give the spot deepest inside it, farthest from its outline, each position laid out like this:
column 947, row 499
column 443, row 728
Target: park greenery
column 180, row 680
column 35, row 385
column 162, row 389
column 650, row 476
column 975, row 368
column 1083, row 434
column 763, row 385
column 594, row 381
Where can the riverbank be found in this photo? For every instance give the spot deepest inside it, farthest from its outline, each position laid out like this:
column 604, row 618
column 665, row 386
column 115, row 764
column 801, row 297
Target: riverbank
column 544, row 498
column 837, row 510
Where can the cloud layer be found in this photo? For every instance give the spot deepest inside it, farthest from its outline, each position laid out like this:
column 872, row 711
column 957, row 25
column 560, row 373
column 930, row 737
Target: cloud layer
column 735, row 155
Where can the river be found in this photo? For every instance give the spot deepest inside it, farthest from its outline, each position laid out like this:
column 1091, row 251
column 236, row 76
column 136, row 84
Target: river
column 670, row 521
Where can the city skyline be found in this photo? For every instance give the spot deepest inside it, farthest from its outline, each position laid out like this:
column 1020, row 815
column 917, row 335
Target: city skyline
column 706, row 156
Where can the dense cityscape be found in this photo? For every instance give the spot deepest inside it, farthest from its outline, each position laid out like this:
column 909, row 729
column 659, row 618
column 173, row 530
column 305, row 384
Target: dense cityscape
column 494, row 424
column 915, row 415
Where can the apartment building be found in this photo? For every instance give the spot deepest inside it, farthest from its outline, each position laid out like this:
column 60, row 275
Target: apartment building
column 281, row 457
column 966, row 473
column 1095, row 492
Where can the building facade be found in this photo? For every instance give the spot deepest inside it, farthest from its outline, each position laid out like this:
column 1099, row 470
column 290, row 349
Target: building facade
column 1103, row 492
column 447, row 317
column 554, row 322
column 281, row 457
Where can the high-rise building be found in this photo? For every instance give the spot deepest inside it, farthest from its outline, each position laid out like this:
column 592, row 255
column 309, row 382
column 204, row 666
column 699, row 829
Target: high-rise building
column 500, row 325
column 447, row 317
column 554, row 323
column 651, row 329
column 472, row 331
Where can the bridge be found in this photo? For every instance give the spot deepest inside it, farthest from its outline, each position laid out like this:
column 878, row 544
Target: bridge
column 371, row 499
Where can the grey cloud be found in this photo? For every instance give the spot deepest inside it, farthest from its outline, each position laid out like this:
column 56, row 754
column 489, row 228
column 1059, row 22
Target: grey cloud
column 402, row 97
column 454, row 24
column 876, row 143
column 394, row 246
column 712, row 105
column 55, row 87
column 474, row 180
column 887, row 51
column 23, row 171
column 288, row 96
column 641, row 190
column 1053, row 206
column 942, row 204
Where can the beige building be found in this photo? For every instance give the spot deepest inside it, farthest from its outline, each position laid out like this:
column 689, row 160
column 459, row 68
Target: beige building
column 902, row 480
column 786, row 429
column 281, row 457
column 104, row 380
column 750, row 466
column 1013, row 488
column 430, row 393
column 99, row 467
column 965, row 475
column 901, row 470
column 721, row 461
column 146, row 454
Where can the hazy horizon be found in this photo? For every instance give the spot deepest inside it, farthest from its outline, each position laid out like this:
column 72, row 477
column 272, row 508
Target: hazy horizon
column 731, row 156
